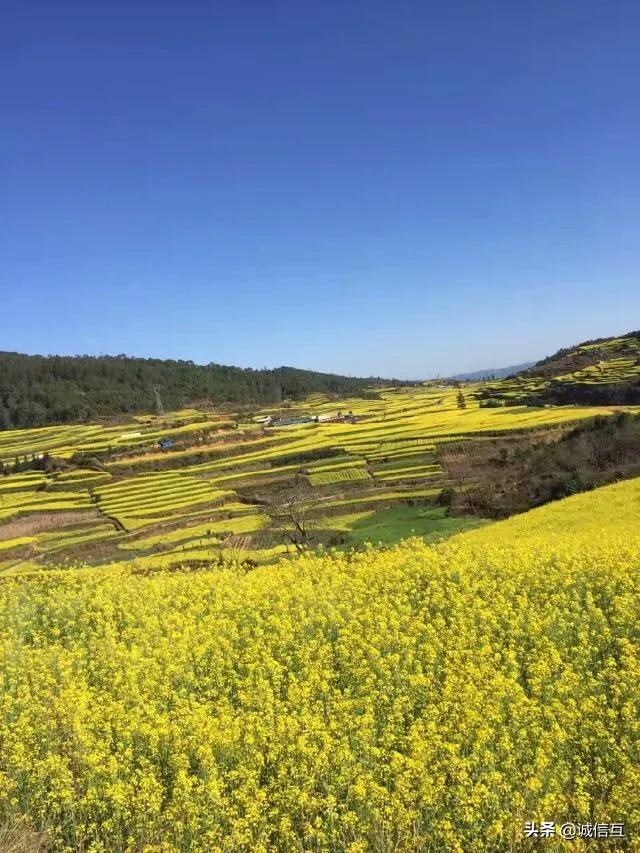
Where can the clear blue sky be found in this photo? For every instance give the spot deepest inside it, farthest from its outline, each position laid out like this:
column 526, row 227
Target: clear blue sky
column 369, row 188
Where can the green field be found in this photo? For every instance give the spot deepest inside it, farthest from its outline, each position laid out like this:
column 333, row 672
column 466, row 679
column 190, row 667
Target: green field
column 392, row 525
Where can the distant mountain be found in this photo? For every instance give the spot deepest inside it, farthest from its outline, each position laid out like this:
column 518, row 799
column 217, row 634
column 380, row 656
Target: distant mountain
column 36, row 390
column 493, row 373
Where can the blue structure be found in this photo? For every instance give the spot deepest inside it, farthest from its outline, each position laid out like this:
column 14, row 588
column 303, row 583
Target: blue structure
column 165, row 443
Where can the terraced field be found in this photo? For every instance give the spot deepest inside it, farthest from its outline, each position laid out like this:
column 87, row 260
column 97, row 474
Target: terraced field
column 597, row 365
column 228, row 484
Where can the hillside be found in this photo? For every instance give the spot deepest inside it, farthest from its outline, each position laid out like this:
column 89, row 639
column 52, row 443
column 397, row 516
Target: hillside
column 254, row 477
column 416, row 699
column 38, row 390
column 605, row 371
column 507, row 475
column 203, row 486
column 572, row 361
column 593, row 518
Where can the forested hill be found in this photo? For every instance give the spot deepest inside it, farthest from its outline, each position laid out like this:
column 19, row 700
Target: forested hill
column 37, row 390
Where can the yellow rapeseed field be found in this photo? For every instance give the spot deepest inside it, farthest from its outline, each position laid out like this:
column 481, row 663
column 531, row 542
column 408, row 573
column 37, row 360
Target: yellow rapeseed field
column 387, row 456
column 409, row 699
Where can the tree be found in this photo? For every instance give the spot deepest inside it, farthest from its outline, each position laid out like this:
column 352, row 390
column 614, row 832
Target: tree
column 462, row 403
column 447, row 497
column 458, row 464
column 292, row 517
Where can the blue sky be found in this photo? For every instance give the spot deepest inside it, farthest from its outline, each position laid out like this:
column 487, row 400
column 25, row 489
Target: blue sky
column 368, row 188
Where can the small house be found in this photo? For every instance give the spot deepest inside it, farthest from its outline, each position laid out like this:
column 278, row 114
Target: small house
column 165, row 443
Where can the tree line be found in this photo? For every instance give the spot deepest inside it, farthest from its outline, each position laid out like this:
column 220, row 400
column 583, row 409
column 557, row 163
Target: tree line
column 39, row 390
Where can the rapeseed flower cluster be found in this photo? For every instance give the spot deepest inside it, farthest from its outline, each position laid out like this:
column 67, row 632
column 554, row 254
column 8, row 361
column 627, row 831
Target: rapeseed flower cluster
column 415, row 698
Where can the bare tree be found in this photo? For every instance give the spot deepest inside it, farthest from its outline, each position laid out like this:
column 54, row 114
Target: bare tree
column 291, row 514
column 459, row 467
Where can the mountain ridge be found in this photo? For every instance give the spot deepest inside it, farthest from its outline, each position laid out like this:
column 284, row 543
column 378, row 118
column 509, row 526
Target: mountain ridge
column 494, row 372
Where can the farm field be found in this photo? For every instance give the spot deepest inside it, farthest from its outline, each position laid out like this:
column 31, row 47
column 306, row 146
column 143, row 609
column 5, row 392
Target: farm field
column 417, row 698
column 108, row 494
column 320, row 428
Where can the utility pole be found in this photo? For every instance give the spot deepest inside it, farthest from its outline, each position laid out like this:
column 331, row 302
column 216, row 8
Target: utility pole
column 159, row 405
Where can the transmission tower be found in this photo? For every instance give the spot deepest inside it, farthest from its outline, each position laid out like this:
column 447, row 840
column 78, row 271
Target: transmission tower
column 159, row 405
